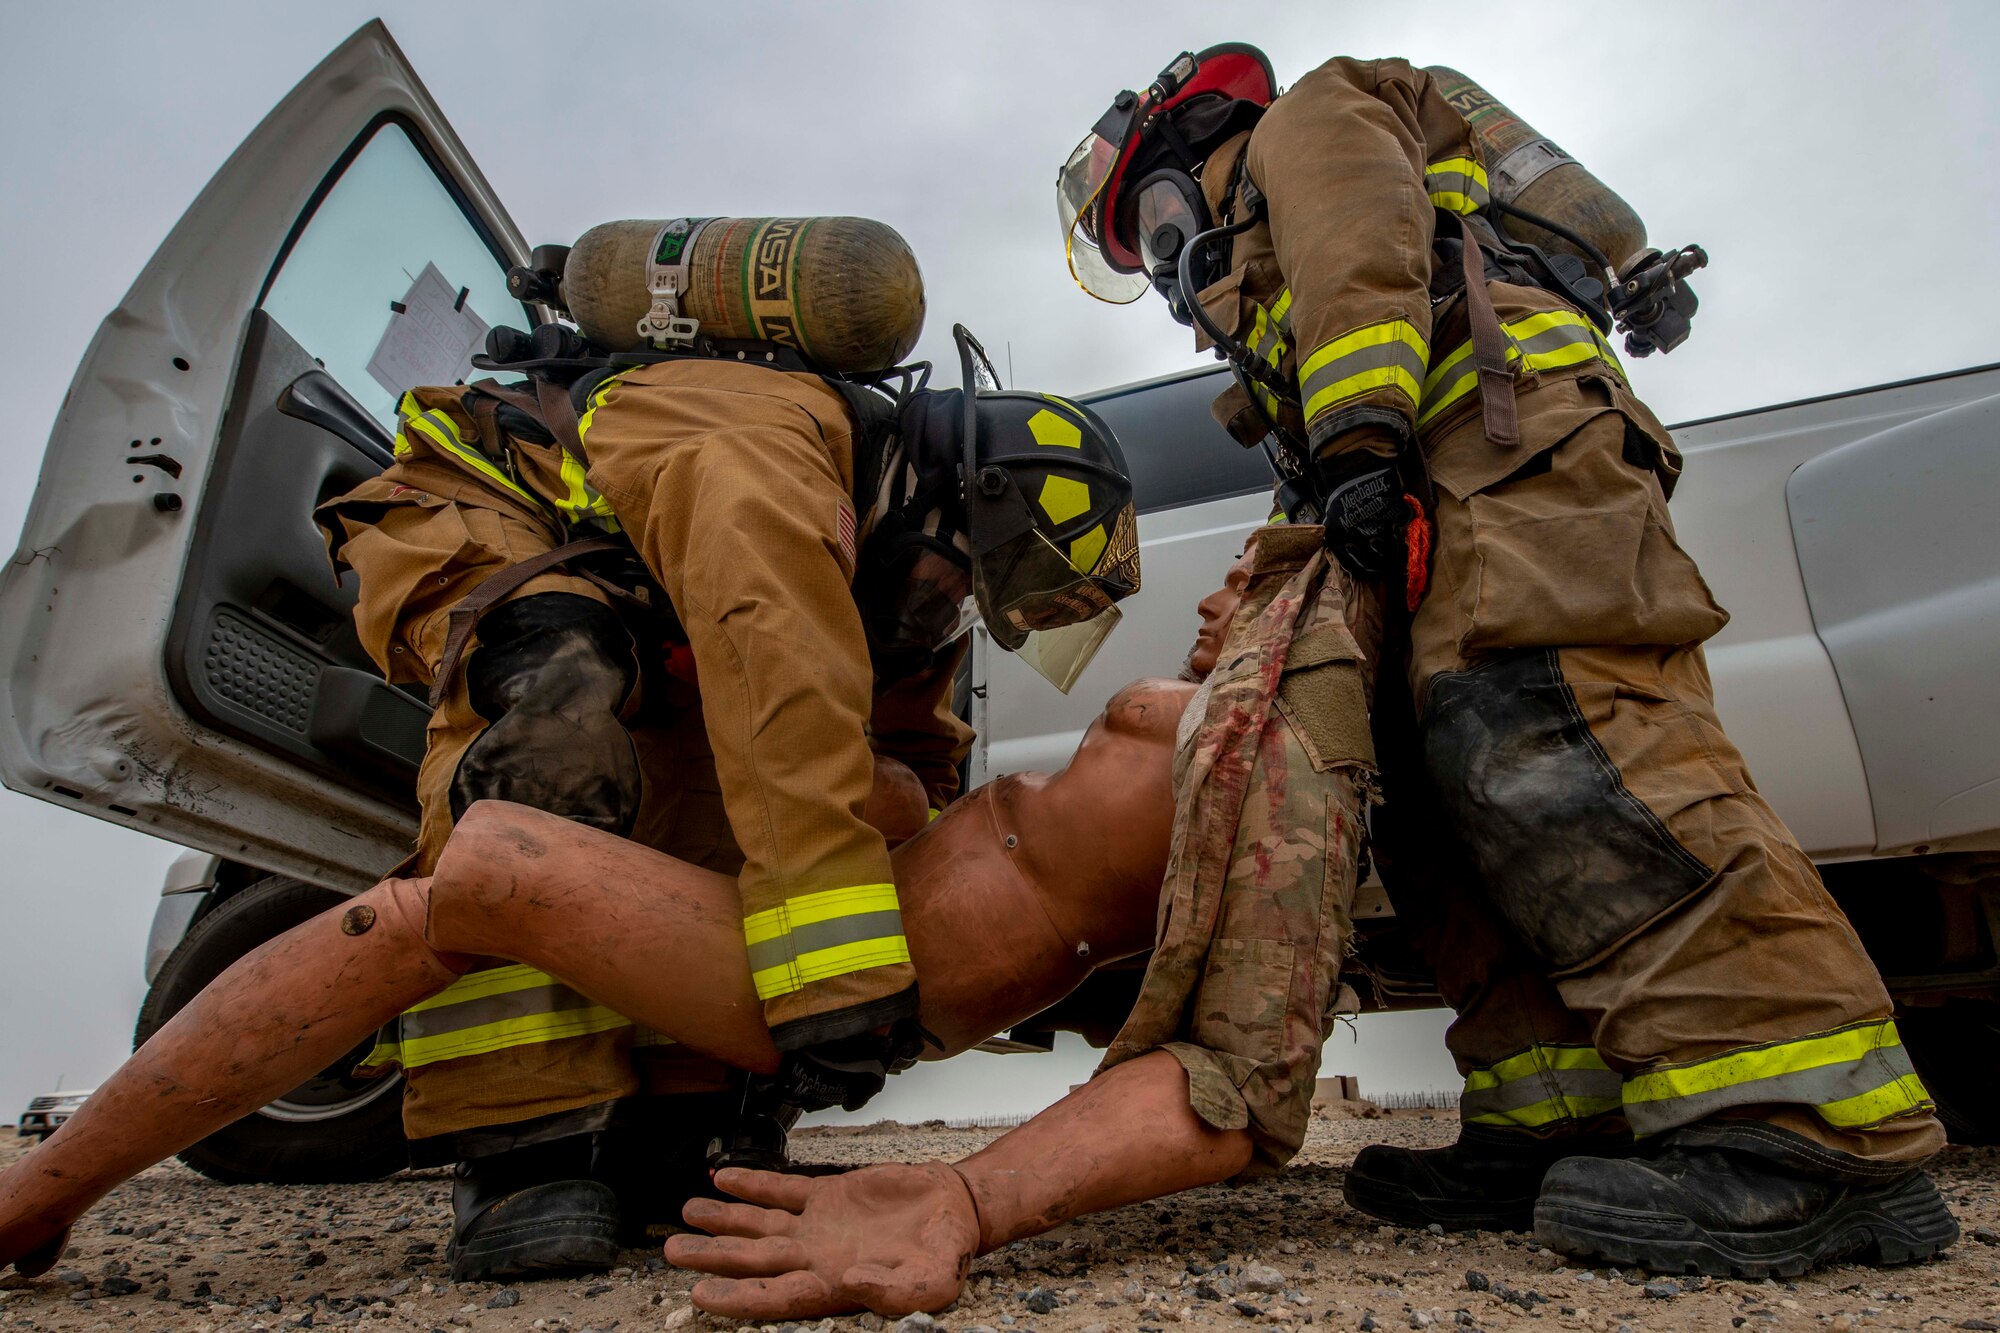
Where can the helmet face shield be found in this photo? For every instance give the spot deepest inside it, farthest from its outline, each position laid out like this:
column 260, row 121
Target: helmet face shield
column 1092, row 189
column 1060, row 655
column 1030, row 584
column 1079, row 190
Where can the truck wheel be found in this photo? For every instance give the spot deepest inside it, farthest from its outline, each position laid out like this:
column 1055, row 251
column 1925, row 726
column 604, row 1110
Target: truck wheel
column 332, row 1128
column 1956, row 1049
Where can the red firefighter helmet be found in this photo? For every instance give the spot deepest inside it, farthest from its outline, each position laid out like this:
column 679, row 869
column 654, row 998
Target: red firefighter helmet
column 1104, row 260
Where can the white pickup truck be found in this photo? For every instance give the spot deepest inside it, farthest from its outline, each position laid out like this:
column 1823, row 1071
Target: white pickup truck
column 175, row 657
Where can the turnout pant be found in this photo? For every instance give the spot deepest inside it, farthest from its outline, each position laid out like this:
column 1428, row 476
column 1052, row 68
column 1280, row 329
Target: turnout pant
column 1627, row 930
column 506, row 1055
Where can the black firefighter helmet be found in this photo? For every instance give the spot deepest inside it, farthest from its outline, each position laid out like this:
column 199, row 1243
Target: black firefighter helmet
column 1011, row 508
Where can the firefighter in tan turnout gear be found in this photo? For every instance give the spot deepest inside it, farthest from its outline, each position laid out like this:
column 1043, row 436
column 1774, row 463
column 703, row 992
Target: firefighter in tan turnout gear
column 688, row 596
column 1414, row 291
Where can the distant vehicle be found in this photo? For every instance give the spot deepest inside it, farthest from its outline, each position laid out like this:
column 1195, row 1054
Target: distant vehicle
column 176, row 657
column 45, row 1115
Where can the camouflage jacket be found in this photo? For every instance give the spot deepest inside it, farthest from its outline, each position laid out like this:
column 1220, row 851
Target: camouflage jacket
column 1271, row 773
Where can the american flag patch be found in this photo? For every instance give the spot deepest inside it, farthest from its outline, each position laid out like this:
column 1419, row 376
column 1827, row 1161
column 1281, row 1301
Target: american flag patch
column 844, row 528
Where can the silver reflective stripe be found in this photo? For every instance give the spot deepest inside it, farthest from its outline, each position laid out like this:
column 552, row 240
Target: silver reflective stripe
column 1562, row 335
column 1883, row 1074
column 1349, row 374
column 1541, row 1086
column 828, row 934
column 549, row 999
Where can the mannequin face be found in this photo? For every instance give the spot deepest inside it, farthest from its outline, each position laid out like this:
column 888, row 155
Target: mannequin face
column 1216, row 610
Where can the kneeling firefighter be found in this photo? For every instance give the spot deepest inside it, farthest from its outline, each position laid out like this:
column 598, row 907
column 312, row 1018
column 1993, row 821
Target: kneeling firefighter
column 1414, row 290
column 684, row 581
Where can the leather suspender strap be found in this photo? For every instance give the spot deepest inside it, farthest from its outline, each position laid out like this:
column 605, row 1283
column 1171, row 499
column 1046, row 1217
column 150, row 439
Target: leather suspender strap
column 558, row 413
column 1489, row 351
column 464, row 617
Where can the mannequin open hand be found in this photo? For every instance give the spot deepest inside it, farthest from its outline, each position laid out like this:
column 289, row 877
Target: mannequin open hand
column 892, row 1239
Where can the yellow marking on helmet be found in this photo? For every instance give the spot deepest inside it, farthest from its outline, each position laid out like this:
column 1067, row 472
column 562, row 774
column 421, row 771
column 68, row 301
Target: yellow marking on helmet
column 1084, row 551
column 1064, row 498
column 1054, row 431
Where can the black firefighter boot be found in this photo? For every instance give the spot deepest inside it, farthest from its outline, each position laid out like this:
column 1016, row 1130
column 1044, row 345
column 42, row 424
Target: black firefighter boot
column 659, row 1155
column 1487, row 1181
column 1742, row 1199
column 532, row 1212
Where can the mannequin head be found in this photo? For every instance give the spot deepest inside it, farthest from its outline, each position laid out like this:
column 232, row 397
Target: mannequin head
column 1216, row 611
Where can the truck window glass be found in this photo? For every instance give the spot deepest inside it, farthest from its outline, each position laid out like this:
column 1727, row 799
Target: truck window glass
column 390, row 285
column 1177, row 453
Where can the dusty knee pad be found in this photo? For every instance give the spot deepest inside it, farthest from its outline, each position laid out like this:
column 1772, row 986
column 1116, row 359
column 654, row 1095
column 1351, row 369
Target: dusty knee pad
column 552, row 672
column 1564, row 852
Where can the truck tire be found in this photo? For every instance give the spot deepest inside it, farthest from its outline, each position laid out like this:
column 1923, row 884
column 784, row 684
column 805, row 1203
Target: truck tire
column 334, row 1127
column 1956, row 1049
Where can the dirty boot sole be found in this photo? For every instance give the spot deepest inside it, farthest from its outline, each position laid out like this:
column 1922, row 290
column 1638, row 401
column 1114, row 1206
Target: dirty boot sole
column 1395, row 1201
column 571, row 1227
column 550, row 1248
column 1896, row 1224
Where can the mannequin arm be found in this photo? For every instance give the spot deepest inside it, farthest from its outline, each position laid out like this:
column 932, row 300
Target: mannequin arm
column 896, row 1239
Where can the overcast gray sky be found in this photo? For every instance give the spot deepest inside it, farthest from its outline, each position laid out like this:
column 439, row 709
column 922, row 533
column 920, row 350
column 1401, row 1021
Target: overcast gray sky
column 1835, row 159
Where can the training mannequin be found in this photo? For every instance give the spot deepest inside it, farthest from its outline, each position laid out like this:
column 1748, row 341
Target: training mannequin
column 1052, row 874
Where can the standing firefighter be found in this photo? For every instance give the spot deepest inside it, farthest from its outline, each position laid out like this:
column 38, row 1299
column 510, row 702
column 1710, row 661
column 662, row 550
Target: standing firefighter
column 686, row 593
column 1414, row 291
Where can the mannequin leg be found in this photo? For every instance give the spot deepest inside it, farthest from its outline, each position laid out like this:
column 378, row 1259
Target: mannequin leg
column 652, row 937
column 277, row 1016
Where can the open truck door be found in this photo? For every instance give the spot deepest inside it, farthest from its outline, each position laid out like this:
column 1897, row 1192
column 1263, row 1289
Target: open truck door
column 178, row 657
column 175, row 654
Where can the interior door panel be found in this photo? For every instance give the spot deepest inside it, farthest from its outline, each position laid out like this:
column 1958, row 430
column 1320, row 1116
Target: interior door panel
column 262, row 646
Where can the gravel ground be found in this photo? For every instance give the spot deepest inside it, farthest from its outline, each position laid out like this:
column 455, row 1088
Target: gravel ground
column 173, row 1251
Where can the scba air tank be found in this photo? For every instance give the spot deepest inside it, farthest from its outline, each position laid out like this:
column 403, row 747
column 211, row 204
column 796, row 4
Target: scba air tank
column 1525, row 169
column 844, row 292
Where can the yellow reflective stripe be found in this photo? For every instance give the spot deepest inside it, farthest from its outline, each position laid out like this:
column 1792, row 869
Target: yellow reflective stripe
column 1785, row 1057
column 820, row 964
column 1463, row 166
column 1902, row 1097
column 825, row 905
column 583, row 500
column 870, row 910
column 597, row 397
column 1372, row 335
column 1362, row 382
column 1390, row 354
column 1454, row 377
column 1457, row 185
column 485, row 984
column 439, row 430
column 1541, row 322
column 1540, row 1086
column 1281, row 309
column 387, row 1051
column 526, row 1031
column 1853, row 1077
column 1533, row 1061
column 1548, row 1112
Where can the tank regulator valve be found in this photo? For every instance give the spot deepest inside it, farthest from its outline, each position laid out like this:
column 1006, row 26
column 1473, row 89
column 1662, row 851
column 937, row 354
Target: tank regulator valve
column 1652, row 301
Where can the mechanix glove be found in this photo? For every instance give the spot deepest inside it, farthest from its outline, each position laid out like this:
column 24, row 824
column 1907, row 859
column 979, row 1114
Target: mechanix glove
column 551, row 674
column 1365, row 514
